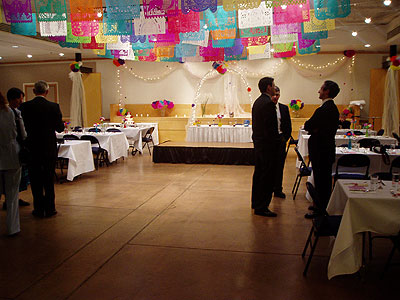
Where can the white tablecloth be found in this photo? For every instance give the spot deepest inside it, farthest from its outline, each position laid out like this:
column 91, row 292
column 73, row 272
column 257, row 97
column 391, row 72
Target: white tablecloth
column 377, row 212
column 135, row 135
column 344, row 131
column 115, row 143
column 224, row 134
column 340, row 140
column 156, row 139
column 80, row 159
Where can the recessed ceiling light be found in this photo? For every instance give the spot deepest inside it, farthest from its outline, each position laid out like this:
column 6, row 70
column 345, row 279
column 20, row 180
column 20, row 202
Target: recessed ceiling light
column 15, row 46
column 1, row 57
column 61, row 54
column 367, row 20
column 367, row 45
column 29, row 56
column 354, row 33
column 387, row 2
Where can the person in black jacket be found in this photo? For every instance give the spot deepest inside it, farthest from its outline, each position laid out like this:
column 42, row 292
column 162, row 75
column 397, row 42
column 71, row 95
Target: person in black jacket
column 42, row 119
column 285, row 131
column 266, row 140
column 321, row 146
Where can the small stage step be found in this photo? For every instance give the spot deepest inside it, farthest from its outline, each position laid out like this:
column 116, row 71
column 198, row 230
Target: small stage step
column 204, row 153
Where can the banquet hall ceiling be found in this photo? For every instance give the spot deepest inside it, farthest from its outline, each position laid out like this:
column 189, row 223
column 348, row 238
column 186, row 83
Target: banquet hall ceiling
column 385, row 19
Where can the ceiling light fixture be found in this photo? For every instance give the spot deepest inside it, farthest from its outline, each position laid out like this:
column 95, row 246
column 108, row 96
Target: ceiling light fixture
column 284, row 6
column 367, row 45
column 15, row 46
column 29, row 56
column 387, row 2
column 354, row 33
column 61, row 54
column 367, row 20
column 1, row 57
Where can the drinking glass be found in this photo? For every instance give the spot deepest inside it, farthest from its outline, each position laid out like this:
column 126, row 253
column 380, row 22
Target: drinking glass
column 393, row 149
column 373, row 184
column 395, row 182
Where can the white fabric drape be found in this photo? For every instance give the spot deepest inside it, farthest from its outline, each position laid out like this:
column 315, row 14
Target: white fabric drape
column 78, row 101
column 231, row 100
column 390, row 122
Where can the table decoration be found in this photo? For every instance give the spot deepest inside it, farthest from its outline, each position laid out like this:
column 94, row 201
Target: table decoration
column 162, row 105
column 367, row 126
column 219, row 117
column 349, row 134
column 66, row 126
column 96, row 126
column 295, row 105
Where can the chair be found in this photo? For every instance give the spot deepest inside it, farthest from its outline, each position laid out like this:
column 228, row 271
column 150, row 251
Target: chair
column 292, row 141
column 100, row 154
column 396, row 245
column 304, row 171
column 93, row 129
column 369, row 142
column 388, row 175
column 322, row 225
column 70, row 137
column 77, row 129
column 113, row 130
column 355, row 162
column 148, row 138
column 380, row 132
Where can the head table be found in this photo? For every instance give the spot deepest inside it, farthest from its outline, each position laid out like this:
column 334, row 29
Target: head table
column 223, row 134
column 79, row 155
column 115, row 143
column 377, row 211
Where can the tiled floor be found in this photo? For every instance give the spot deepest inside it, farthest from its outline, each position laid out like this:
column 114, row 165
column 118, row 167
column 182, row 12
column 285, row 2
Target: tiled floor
column 137, row 230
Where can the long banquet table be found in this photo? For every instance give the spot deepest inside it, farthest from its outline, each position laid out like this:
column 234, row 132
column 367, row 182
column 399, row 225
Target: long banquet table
column 156, row 139
column 223, row 134
column 115, row 143
column 377, row 212
column 135, row 135
column 79, row 155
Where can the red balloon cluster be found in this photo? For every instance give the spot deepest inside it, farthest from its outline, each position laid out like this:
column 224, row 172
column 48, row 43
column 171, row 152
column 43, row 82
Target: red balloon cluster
column 395, row 61
column 349, row 53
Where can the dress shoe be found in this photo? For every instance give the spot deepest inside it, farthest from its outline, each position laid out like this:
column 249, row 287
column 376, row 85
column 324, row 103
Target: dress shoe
column 280, row 195
column 23, row 203
column 309, row 216
column 50, row 213
column 13, row 234
column 38, row 214
column 264, row 213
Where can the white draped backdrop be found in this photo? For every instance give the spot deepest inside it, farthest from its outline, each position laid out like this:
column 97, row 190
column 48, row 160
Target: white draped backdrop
column 77, row 113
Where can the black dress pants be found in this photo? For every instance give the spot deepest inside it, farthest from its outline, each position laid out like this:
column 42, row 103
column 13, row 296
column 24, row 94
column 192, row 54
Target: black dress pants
column 322, row 172
column 41, row 174
column 263, row 177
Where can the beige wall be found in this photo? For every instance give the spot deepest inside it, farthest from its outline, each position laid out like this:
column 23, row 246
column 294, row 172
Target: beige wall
column 16, row 75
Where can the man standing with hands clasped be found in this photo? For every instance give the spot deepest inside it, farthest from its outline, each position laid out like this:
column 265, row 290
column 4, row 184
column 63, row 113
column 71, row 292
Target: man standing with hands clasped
column 42, row 119
column 321, row 146
column 266, row 140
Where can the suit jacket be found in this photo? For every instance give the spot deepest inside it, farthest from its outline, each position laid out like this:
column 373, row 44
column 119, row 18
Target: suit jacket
column 264, row 123
column 8, row 141
column 286, row 123
column 322, row 126
column 42, row 119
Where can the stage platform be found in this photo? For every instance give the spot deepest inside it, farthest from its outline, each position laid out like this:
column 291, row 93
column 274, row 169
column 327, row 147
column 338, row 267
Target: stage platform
column 204, row 153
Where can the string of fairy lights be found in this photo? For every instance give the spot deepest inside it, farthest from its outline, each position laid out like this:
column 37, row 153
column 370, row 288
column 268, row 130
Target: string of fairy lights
column 313, row 67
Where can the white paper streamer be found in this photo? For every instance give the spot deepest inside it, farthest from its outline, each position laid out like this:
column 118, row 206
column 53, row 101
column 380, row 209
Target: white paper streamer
column 260, row 16
column 54, row 28
column 145, row 26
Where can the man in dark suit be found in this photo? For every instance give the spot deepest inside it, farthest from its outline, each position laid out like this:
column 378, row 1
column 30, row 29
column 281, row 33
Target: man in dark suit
column 42, row 119
column 321, row 146
column 285, row 131
column 266, row 140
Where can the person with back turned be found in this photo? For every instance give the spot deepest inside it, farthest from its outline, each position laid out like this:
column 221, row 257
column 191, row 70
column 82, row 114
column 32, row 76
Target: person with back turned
column 42, row 119
column 266, row 140
column 322, row 127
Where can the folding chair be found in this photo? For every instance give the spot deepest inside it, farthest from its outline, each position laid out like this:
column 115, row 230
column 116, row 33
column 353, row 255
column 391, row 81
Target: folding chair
column 304, row 171
column 380, row 132
column 100, row 154
column 113, row 130
column 322, row 225
column 396, row 245
column 94, row 129
column 396, row 136
column 354, row 162
column 148, row 138
column 369, row 143
column 77, row 129
column 70, row 137
column 358, row 132
column 292, row 141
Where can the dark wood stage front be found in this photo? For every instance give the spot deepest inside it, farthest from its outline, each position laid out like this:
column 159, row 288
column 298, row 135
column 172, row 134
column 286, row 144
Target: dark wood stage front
column 204, row 153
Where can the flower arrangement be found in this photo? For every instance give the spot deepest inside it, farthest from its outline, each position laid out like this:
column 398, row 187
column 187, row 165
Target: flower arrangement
column 349, row 134
column 367, row 126
column 219, row 117
column 66, row 126
column 348, row 112
column 102, row 119
column 296, row 104
column 160, row 104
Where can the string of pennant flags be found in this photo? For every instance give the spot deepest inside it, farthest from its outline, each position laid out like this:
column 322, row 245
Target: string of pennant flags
column 195, row 30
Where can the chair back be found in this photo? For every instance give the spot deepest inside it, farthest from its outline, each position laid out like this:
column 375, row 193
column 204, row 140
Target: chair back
column 396, row 136
column 369, row 142
column 93, row 129
column 93, row 140
column 395, row 165
column 149, row 133
column 113, row 130
column 358, row 132
column 70, row 137
column 60, row 140
column 300, row 157
column 77, row 129
column 355, row 161
column 380, row 132
column 320, row 208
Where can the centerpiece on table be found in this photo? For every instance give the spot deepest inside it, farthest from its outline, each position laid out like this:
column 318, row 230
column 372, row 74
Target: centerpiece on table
column 295, row 105
column 219, row 117
column 162, row 105
column 367, row 126
column 66, row 126
column 348, row 113
column 102, row 125
column 349, row 134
